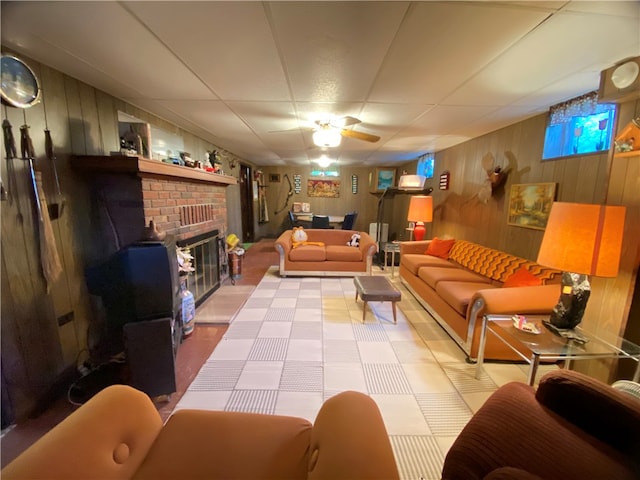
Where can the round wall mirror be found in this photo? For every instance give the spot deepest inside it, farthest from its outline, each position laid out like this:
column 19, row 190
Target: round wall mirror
column 19, row 86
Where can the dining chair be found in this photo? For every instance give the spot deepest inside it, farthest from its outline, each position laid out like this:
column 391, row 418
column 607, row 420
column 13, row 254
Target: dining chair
column 320, row 221
column 349, row 221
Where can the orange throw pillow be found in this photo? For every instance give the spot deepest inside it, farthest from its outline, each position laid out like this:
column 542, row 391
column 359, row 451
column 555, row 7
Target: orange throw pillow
column 522, row 278
column 440, row 248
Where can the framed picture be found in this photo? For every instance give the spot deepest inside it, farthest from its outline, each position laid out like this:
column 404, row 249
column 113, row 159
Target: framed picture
column 530, row 204
column 323, row 188
column 274, row 178
column 385, row 178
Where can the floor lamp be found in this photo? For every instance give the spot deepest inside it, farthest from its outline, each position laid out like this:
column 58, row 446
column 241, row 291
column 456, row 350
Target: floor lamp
column 581, row 240
column 420, row 211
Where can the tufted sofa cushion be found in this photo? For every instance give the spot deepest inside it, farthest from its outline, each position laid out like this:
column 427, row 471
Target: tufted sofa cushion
column 495, row 264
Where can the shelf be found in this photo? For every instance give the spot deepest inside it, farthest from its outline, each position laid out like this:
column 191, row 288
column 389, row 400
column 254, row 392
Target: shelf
column 633, row 153
column 137, row 165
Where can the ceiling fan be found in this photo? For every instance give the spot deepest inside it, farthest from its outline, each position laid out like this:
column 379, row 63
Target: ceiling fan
column 329, row 132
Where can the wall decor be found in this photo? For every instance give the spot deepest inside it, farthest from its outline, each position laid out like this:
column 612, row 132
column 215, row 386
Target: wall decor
column 354, row 184
column 530, row 204
column 323, row 188
column 274, row 178
column 385, row 178
column 297, row 183
column 444, row 180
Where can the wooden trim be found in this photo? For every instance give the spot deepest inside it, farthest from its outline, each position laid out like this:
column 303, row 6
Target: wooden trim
column 125, row 164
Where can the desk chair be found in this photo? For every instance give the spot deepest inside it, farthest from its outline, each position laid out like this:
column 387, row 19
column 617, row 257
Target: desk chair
column 349, row 221
column 320, row 221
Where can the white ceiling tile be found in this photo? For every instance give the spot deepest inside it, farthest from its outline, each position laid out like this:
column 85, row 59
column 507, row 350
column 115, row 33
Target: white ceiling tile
column 556, row 50
column 442, row 44
column 334, row 49
column 238, row 58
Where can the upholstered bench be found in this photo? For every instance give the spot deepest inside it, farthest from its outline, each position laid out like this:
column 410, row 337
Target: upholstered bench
column 376, row 289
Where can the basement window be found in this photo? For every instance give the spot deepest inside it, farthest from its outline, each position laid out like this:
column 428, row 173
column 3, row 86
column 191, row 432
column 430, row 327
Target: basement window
column 579, row 126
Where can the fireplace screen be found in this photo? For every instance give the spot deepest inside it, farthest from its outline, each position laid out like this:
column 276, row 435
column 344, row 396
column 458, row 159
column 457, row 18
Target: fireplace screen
column 206, row 278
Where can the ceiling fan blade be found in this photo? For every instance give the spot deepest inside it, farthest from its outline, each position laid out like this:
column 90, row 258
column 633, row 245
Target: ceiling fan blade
column 347, row 121
column 367, row 137
column 296, row 129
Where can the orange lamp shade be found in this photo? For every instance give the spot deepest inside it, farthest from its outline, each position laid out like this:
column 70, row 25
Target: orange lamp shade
column 583, row 238
column 420, row 209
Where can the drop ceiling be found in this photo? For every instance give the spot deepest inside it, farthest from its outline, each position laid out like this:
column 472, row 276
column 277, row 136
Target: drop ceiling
column 252, row 77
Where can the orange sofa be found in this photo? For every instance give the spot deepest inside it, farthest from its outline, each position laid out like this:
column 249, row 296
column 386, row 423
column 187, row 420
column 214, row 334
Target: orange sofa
column 334, row 258
column 467, row 282
column 118, row 434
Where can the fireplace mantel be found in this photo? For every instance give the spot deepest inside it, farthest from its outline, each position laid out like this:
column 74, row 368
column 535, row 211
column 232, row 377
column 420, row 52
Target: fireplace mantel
column 137, row 165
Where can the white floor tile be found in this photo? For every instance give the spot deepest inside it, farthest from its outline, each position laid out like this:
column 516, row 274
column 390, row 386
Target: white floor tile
column 337, row 331
column 251, row 315
column 204, row 400
column 307, row 315
column 230, row 349
column 344, row 376
column 299, row 404
column 377, row 352
column 275, row 330
column 476, row 400
column 401, row 415
column 305, row 350
column 446, row 351
column 427, row 377
column 283, row 303
column 260, row 376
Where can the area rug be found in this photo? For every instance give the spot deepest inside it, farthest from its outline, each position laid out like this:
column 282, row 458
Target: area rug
column 298, row 341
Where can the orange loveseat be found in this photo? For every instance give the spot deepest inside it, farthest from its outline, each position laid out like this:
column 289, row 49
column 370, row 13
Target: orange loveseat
column 334, row 258
column 118, row 434
column 468, row 281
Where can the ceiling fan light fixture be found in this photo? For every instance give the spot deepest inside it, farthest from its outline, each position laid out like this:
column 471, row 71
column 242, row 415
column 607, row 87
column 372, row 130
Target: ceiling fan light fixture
column 327, row 138
column 324, row 161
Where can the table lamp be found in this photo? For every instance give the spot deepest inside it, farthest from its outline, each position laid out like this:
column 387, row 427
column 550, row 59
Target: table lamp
column 581, row 240
column 420, row 211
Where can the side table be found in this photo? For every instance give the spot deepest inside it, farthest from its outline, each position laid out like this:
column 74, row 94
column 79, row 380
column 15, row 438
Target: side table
column 549, row 346
column 393, row 248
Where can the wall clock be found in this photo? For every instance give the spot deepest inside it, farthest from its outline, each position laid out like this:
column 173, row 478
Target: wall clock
column 19, row 85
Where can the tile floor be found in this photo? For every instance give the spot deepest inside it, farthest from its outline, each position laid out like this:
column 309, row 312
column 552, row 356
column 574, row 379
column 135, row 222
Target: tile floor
column 298, row 341
column 292, row 346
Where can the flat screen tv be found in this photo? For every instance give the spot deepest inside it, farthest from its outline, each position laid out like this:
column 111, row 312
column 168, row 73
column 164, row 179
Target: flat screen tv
column 139, row 282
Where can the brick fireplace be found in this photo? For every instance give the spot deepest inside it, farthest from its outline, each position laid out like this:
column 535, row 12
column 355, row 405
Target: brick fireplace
column 127, row 193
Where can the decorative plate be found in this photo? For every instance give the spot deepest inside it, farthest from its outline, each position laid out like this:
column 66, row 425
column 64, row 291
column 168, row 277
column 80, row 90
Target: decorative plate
column 19, row 86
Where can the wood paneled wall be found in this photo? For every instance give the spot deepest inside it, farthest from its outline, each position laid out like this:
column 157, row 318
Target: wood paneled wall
column 37, row 352
column 39, row 355
column 363, row 202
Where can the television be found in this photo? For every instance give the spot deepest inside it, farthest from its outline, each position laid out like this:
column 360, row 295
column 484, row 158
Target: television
column 139, row 282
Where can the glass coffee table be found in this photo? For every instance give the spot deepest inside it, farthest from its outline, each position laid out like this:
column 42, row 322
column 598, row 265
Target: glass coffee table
column 548, row 346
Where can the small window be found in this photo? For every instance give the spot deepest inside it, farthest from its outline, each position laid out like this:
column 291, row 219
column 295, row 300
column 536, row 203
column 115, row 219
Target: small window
column 425, row 165
column 579, row 126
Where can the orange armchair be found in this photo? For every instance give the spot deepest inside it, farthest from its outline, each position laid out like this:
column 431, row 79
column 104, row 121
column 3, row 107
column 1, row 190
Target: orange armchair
column 118, row 434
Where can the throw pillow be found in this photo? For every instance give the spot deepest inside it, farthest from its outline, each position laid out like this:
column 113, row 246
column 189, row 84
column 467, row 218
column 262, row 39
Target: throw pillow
column 355, row 240
column 522, row 278
column 440, row 248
